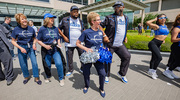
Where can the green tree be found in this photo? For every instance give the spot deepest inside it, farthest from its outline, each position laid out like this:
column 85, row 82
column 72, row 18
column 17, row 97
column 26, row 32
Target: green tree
column 146, row 18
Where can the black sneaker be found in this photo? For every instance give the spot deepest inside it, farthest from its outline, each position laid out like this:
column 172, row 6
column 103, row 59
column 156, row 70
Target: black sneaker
column 9, row 82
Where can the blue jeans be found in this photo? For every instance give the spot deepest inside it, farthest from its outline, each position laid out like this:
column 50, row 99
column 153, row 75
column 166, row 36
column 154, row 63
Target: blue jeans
column 23, row 61
column 58, row 63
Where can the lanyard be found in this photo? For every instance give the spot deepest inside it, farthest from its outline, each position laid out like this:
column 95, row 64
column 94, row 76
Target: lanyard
column 51, row 33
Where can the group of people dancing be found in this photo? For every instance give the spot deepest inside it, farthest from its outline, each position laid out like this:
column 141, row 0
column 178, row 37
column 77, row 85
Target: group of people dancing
column 72, row 30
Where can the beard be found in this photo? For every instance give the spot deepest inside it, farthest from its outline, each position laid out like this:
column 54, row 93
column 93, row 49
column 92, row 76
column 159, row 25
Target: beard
column 119, row 12
column 74, row 17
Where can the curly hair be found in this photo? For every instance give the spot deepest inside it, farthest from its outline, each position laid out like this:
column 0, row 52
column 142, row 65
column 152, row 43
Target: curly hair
column 18, row 16
column 175, row 23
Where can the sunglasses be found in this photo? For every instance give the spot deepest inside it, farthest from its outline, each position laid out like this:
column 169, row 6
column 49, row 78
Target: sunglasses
column 162, row 18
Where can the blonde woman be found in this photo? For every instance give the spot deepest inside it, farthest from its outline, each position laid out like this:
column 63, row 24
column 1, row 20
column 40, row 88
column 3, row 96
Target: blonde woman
column 26, row 44
column 48, row 37
column 92, row 37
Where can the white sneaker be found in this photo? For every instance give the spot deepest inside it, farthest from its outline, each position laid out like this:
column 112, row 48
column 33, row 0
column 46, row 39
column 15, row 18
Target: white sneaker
column 167, row 73
column 154, row 75
column 61, row 82
column 150, row 72
column 68, row 74
column 178, row 68
column 173, row 75
column 123, row 78
column 47, row 80
column 106, row 79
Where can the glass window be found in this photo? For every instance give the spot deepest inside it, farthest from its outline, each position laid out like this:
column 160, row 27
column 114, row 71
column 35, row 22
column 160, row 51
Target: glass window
column 137, row 12
column 154, row 6
column 170, row 4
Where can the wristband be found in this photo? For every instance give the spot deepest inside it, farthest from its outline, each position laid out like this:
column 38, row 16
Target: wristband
column 104, row 36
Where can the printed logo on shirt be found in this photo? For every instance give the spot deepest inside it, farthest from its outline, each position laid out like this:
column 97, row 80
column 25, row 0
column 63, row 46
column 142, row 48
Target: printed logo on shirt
column 52, row 34
column 74, row 24
column 26, row 33
column 97, row 38
column 120, row 22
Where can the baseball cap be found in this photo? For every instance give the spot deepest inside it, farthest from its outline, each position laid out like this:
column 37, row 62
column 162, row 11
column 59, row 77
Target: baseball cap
column 49, row 15
column 74, row 8
column 118, row 3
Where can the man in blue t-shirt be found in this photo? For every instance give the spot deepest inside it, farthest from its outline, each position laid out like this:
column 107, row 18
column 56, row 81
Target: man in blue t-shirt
column 72, row 28
column 116, row 28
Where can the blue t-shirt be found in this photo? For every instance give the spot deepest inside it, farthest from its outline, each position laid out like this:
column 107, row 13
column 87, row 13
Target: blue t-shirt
column 48, row 35
column 91, row 38
column 23, row 35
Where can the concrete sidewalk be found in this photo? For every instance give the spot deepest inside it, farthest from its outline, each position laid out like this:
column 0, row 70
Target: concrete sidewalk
column 139, row 87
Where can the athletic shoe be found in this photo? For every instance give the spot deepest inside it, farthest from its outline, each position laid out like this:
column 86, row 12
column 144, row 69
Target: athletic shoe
column 167, row 73
column 68, row 74
column 123, row 78
column 61, row 82
column 106, row 79
column 154, row 75
column 47, row 80
column 173, row 75
column 9, row 82
column 178, row 68
column 150, row 72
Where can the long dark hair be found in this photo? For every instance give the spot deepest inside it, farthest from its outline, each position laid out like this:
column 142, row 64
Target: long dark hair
column 175, row 22
column 157, row 22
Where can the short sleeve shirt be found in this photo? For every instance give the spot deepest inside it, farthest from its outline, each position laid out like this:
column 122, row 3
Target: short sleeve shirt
column 91, row 38
column 48, row 35
column 23, row 35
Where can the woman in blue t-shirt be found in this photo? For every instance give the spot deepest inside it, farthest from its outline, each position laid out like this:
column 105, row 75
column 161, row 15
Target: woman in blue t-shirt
column 175, row 49
column 161, row 31
column 26, row 44
column 92, row 37
column 49, row 38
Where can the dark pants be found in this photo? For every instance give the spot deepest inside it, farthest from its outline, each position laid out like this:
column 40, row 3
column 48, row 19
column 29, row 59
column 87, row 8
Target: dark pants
column 101, row 72
column 69, row 57
column 6, row 59
column 175, row 50
column 125, row 57
column 156, row 58
column 171, row 60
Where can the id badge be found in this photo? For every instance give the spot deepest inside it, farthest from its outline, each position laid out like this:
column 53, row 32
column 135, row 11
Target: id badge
column 28, row 45
column 54, row 42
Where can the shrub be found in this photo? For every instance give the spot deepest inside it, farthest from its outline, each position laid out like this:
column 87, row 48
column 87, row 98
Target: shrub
column 140, row 42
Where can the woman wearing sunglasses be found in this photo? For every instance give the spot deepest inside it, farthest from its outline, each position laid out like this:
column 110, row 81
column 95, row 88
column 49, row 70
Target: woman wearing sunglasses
column 175, row 48
column 161, row 31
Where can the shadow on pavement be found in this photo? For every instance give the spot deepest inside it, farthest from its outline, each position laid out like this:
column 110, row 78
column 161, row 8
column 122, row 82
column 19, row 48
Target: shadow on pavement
column 143, row 70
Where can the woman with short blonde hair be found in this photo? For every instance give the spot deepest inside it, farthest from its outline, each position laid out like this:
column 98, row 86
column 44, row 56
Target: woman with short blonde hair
column 92, row 37
column 26, row 44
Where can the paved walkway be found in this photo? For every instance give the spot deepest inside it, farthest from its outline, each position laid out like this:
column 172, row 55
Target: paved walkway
column 139, row 87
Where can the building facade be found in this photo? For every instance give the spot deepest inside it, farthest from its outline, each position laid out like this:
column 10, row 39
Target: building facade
column 169, row 7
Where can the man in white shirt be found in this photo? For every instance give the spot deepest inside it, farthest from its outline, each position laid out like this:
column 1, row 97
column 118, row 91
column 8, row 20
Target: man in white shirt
column 116, row 28
column 72, row 27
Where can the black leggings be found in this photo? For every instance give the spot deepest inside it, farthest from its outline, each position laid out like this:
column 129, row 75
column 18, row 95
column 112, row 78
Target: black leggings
column 175, row 52
column 154, row 46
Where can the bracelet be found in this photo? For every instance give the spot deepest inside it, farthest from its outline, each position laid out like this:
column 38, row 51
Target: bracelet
column 104, row 36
